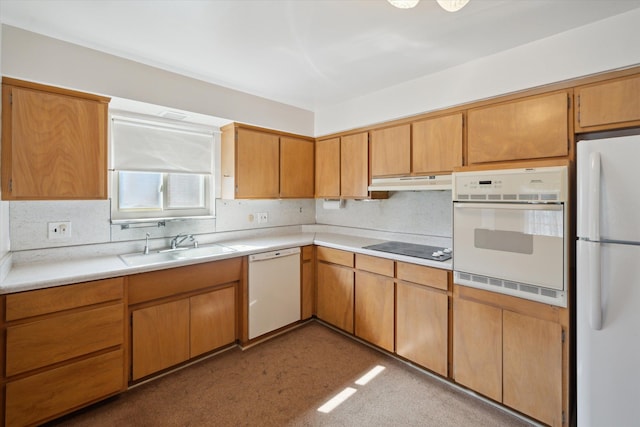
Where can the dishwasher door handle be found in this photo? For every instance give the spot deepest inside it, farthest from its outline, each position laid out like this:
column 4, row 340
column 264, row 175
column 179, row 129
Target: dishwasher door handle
column 273, row 254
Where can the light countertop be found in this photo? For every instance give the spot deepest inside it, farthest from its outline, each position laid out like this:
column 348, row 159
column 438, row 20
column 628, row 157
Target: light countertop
column 29, row 276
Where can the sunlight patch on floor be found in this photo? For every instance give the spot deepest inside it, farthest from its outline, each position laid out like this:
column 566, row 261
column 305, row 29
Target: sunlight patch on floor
column 341, row 397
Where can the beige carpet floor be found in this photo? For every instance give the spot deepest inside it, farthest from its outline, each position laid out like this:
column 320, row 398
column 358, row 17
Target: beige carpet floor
column 283, row 382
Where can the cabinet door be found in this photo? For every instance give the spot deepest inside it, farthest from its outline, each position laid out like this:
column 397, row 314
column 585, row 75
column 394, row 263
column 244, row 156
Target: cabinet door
column 296, row 168
column 477, row 347
column 531, row 128
column 609, row 105
column 354, row 165
column 374, row 309
column 160, row 337
column 422, row 326
column 307, row 290
column 257, row 164
column 213, row 320
column 436, row 144
column 54, row 146
column 391, row 151
column 328, row 168
column 532, row 368
column 335, row 295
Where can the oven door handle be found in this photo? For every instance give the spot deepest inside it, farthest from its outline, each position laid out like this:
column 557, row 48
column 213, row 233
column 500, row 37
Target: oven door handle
column 512, row 206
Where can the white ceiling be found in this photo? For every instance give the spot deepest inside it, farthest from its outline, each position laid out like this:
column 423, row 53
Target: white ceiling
column 306, row 53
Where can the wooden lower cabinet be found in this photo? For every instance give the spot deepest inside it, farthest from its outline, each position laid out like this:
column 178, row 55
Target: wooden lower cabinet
column 45, row 395
column 170, row 333
column 336, row 295
column 477, row 347
column 374, row 309
column 307, row 283
column 63, row 348
column 422, row 323
column 160, row 337
column 515, row 358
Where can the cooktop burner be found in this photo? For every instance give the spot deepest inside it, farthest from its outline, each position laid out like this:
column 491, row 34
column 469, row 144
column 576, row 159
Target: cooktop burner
column 410, row 249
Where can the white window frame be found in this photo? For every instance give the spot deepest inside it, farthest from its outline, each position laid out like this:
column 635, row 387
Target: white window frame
column 119, row 215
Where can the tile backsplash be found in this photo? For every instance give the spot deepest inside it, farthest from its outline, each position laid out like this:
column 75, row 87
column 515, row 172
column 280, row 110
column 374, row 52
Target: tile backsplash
column 424, row 213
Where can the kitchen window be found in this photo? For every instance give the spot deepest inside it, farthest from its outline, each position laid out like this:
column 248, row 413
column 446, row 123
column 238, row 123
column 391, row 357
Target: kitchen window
column 160, row 170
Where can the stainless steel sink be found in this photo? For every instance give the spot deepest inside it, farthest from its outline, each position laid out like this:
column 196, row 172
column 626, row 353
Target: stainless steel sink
column 160, row 257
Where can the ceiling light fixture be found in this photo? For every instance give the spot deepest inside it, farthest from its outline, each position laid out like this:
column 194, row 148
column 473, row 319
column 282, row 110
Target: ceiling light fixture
column 448, row 5
column 452, row 5
column 404, row 4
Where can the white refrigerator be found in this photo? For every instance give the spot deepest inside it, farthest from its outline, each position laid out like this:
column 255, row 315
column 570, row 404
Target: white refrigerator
column 608, row 282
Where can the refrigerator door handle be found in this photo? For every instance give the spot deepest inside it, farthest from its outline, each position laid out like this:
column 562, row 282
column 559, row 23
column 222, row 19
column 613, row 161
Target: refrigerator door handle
column 593, row 228
column 595, row 287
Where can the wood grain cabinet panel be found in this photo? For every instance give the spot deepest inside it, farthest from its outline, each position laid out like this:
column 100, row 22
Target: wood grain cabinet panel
column 354, row 166
column 608, row 105
column 436, row 144
column 212, row 320
column 532, row 367
column 391, row 151
column 335, row 295
column 530, row 128
column 54, row 143
column 160, row 337
column 374, row 309
column 422, row 326
column 477, row 347
column 39, row 397
column 376, row 265
column 327, row 167
column 257, row 165
column 307, row 283
column 433, row 277
column 335, row 256
column 48, row 341
column 296, row 168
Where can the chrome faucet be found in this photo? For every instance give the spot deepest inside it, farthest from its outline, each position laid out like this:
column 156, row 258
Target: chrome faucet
column 146, row 245
column 177, row 241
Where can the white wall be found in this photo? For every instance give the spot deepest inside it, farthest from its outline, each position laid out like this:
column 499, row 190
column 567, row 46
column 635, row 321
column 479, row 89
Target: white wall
column 4, row 206
column 605, row 45
column 34, row 57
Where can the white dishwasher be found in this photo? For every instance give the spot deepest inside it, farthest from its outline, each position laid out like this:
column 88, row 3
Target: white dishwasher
column 274, row 290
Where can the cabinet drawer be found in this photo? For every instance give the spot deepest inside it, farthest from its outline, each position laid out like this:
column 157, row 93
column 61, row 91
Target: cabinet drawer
column 428, row 276
column 165, row 283
column 48, row 341
column 335, row 256
column 51, row 300
column 374, row 264
column 54, row 392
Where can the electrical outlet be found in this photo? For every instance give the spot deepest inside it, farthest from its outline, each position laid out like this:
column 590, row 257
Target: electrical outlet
column 262, row 217
column 60, row 230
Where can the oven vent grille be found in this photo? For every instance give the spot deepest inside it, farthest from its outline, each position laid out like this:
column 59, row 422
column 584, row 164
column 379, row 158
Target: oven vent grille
column 527, row 197
column 509, row 284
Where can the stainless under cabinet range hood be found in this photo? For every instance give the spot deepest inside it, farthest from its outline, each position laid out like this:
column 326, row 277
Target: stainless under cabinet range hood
column 411, row 183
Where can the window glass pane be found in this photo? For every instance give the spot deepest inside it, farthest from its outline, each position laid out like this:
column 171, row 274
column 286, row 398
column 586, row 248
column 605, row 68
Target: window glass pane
column 185, row 191
column 140, row 190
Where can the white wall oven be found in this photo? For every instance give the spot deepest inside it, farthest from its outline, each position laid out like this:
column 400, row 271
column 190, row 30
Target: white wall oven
column 510, row 231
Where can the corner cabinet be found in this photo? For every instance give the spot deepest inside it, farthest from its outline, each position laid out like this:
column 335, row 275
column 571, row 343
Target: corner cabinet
column 529, row 128
column 181, row 313
column 261, row 164
column 342, row 167
column 64, row 349
column 335, row 287
column 54, row 143
column 612, row 104
column 513, row 351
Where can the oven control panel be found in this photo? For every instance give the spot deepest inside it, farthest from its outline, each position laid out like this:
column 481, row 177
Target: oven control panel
column 534, row 185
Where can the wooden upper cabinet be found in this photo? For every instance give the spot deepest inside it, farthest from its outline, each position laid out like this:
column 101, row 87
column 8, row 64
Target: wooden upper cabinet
column 530, row 128
column 608, row 105
column 328, row 168
column 296, row 167
column 436, row 144
column 258, row 163
column 391, row 151
column 354, row 165
column 54, row 143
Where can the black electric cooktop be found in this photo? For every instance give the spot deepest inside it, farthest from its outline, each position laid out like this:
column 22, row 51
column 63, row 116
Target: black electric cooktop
column 433, row 253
